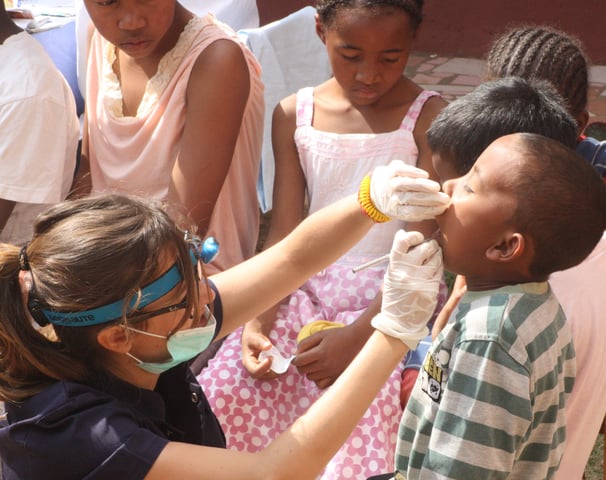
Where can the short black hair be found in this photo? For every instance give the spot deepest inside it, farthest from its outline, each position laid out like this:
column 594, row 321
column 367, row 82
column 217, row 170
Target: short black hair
column 561, row 203
column 327, row 9
column 465, row 127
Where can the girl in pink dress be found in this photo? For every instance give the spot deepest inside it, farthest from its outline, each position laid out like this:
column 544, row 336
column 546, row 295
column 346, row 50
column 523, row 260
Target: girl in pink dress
column 324, row 139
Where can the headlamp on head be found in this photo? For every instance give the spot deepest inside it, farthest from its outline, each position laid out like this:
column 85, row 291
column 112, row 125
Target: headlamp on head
column 205, row 251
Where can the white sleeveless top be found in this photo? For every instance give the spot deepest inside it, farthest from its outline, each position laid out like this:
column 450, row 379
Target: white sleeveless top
column 334, row 164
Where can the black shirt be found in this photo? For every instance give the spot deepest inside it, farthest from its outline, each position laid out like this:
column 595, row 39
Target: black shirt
column 108, row 430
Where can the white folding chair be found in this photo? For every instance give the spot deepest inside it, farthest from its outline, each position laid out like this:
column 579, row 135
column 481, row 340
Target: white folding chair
column 291, row 57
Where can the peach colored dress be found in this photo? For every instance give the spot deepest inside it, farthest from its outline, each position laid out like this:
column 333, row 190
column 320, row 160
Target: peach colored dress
column 136, row 154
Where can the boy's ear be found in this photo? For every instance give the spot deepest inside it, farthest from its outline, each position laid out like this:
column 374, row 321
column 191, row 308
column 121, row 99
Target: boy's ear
column 115, row 339
column 320, row 29
column 510, row 248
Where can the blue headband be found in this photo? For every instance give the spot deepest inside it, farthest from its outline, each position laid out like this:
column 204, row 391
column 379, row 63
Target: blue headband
column 205, row 251
column 113, row 311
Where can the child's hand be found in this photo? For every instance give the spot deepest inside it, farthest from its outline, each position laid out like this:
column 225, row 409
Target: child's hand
column 253, row 343
column 410, row 288
column 323, row 356
column 405, row 192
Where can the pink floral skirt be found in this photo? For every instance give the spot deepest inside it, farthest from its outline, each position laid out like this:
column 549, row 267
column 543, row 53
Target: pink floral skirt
column 254, row 412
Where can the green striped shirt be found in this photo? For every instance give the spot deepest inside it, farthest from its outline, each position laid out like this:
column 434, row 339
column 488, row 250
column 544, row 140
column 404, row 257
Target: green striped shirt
column 489, row 400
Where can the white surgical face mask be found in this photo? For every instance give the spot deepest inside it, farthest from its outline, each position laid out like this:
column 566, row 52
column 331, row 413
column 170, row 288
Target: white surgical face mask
column 182, row 345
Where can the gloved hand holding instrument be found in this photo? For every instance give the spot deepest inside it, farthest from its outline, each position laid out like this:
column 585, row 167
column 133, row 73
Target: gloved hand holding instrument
column 410, row 288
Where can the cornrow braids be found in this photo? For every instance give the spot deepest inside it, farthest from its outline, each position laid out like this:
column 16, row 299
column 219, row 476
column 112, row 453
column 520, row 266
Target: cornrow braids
column 327, row 9
column 540, row 52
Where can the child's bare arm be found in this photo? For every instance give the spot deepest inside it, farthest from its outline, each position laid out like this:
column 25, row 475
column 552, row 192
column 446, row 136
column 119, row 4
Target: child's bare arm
column 288, row 205
column 217, row 93
column 288, row 210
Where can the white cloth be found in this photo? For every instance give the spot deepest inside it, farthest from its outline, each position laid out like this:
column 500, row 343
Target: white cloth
column 237, row 14
column 580, row 291
column 291, row 57
column 39, row 133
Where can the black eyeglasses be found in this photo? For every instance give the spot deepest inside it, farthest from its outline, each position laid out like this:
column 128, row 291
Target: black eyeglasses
column 201, row 252
column 140, row 317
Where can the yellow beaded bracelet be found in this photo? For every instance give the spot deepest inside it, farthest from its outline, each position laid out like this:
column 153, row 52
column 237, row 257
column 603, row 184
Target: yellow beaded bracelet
column 366, row 203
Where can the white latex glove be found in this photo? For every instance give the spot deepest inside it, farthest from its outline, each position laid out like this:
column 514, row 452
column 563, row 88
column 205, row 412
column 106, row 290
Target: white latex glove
column 405, row 192
column 410, row 288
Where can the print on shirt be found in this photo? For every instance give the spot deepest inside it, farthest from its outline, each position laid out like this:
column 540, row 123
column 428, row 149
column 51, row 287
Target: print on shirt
column 431, row 377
